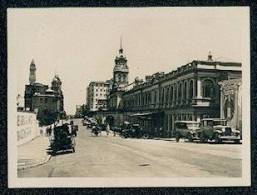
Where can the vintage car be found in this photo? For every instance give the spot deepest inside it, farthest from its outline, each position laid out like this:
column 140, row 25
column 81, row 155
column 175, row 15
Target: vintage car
column 131, row 130
column 89, row 122
column 61, row 140
column 186, row 129
column 216, row 129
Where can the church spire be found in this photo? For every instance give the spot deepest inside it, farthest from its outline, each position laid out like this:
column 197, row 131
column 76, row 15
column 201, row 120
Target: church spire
column 32, row 75
column 121, row 49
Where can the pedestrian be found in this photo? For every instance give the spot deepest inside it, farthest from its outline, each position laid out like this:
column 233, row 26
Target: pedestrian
column 50, row 130
column 107, row 129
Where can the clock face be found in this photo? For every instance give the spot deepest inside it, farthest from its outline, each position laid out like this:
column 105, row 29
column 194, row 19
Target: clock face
column 229, row 107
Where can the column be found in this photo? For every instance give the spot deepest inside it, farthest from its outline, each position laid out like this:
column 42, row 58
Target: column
column 199, row 88
column 173, row 95
column 194, row 88
column 221, row 103
column 172, row 125
column 182, row 92
column 177, row 93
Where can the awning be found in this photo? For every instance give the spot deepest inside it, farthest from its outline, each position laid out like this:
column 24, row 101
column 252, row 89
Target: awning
column 145, row 114
column 142, row 114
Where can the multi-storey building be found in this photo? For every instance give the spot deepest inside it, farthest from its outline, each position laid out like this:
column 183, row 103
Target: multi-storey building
column 189, row 93
column 97, row 92
column 38, row 97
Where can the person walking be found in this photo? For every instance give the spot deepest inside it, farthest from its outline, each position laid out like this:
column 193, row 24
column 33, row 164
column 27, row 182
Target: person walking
column 107, row 129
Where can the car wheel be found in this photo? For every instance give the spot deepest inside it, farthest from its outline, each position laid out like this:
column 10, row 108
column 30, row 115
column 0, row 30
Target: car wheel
column 202, row 138
column 177, row 137
column 217, row 138
column 189, row 137
column 237, row 141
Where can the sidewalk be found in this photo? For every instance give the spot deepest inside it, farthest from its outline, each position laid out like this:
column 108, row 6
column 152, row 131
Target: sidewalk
column 33, row 153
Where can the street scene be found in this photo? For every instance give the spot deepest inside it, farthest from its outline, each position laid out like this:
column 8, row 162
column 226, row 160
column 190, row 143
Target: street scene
column 113, row 156
column 99, row 99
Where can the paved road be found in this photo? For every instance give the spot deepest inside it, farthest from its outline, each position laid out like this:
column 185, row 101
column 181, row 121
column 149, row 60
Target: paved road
column 108, row 156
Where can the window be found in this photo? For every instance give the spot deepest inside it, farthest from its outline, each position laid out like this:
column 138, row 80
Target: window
column 179, row 92
column 175, row 93
column 208, row 89
column 191, row 89
column 185, row 91
column 171, row 94
column 167, row 95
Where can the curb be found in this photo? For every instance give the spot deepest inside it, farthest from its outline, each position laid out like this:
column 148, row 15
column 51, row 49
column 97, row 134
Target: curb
column 45, row 160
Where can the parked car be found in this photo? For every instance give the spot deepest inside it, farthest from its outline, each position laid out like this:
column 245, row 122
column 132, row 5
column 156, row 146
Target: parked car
column 186, row 129
column 217, row 129
column 132, row 130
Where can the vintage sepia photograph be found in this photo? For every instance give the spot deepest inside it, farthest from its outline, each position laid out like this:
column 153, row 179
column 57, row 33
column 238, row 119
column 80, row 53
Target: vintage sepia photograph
column 128, row 97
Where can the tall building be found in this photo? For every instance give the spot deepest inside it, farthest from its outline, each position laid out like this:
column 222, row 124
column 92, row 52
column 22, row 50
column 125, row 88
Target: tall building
column 38, row 97
column 120, row 80
column 120, row 70
column 97, row 92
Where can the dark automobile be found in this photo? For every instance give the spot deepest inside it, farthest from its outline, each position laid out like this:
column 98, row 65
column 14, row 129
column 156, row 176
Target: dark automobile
column 102, row 127
column 133, row 131
column 62, row 139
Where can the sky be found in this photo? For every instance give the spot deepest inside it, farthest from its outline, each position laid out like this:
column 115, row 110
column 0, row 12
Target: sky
column 80, row 44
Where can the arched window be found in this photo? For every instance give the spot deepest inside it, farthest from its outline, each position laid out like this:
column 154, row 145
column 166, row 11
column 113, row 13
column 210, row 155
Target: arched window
column 179, row 92
column 163, row 96
column 167, row 95
column 175, row 93
column 208, row 88
column 171, row 94
column 185, row 91
column 191, row 89
column 155, row 96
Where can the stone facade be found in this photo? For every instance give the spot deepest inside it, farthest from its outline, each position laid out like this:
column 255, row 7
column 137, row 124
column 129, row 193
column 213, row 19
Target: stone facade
column 189, row 93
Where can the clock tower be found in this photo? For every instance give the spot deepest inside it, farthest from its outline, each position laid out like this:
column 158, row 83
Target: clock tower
column 120, row 70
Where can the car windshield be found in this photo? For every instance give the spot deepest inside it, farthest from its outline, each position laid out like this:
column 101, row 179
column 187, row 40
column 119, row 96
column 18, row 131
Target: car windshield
column 221, row 122
column 181, row 125
column 214, row 122
column 192, row 125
